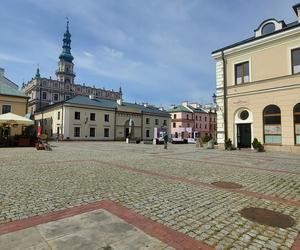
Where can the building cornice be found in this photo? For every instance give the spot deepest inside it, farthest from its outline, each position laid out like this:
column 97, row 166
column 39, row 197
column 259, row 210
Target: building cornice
column 217, row 55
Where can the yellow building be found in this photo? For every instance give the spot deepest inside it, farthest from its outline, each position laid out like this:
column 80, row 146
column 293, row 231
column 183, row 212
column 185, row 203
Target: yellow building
column 11, row 100
column 90, row 118
column 258, row 87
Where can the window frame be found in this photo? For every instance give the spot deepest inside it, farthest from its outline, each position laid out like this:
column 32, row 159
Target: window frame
column 294, row 121
column 6, row 105
column 264, row 123
column 93, row 115
column 106, row 135
column 55, row 94
column 292, row 60
column 94, row 129
column 106, row 117
column 75, row 117
column 243, row 72
column 44, row 92
column 75, row 134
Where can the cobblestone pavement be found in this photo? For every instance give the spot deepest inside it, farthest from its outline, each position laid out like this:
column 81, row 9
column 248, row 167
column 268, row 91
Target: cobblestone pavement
column 172, row 187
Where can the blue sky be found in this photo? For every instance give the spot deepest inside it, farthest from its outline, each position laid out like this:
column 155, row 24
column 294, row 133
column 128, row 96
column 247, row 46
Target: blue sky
column 159, row 51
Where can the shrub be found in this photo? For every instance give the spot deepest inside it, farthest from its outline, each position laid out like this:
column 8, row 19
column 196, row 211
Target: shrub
column 206, row 139
column 257, row 145
column 228, row 144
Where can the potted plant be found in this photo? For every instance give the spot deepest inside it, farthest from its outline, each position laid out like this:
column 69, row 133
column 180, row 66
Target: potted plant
column 228, row 144
column 207, row 142
column 257, row 145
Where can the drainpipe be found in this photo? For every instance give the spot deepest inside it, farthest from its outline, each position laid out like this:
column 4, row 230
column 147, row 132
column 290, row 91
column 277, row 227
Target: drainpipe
column 62, row 121
column 225, row 95
column 115, row 125
column 142, row 127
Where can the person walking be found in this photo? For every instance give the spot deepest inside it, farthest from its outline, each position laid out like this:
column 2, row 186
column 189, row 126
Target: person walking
column 166, row 138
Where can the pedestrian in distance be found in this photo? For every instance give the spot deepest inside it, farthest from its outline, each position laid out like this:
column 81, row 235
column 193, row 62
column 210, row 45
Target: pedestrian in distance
column 166, row 138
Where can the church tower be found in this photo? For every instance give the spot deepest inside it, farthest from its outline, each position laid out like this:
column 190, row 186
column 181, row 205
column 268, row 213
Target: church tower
column 65, row 72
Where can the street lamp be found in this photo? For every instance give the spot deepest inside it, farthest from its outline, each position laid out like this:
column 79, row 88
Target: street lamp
column 214, row 98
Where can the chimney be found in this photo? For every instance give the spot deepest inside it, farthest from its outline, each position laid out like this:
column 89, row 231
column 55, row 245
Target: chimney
column 119, row 102
column 185, row 103
column 297, row 11
column 2, row 72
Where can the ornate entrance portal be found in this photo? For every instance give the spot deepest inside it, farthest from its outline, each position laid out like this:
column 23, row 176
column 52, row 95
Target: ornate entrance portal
column 243, row 128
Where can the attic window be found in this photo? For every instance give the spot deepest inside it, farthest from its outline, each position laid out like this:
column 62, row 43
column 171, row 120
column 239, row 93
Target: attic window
column 268, row 28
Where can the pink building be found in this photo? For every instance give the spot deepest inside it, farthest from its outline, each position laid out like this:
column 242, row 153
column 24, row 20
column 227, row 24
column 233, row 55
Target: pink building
column 192, row 121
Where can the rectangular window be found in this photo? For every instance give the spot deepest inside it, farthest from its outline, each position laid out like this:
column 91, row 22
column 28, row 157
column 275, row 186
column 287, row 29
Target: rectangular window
column 156, row 121
column 77, row 115
column 92, row 132
column 106, row 132
column 174, row 116
column 174, row 124
column 76, row 131
column 196, row 118
column 296, row 61
column 205, row 118
column 147, row 121
column 93, row 117
column 6, row 109
column 147, row 133
column 55, row 97
column 165, row 123
column 106, row 117
column 44, row 95
column 242, row 73
column 58, row 115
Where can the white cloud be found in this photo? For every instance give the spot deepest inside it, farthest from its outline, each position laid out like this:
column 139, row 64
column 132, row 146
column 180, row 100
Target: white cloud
column 11, row 58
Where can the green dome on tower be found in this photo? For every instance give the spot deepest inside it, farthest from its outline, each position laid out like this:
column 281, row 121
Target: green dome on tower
column 66, row 53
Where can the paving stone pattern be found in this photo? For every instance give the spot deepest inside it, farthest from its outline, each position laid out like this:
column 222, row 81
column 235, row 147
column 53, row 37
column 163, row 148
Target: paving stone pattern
column 75, row 173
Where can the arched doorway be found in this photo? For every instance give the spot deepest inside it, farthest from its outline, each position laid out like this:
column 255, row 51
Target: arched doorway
column 129, row 129
column 243, row 128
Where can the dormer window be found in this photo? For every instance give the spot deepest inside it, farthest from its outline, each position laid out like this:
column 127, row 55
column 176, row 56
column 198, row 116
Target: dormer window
column 268, row 28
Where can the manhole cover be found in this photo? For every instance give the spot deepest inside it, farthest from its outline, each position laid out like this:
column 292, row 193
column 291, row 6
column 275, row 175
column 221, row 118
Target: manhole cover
column 267, row 217
column 225, row 184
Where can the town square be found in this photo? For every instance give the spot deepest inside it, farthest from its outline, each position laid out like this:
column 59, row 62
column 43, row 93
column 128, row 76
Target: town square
column 173, row 188
column 159, row 125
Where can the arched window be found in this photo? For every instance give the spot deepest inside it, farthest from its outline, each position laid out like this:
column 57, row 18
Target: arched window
column 268, row 28
column 297, row 123
column 272, row 124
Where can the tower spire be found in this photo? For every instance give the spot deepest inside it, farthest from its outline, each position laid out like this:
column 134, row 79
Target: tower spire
column 66, row 53
column 37, row 74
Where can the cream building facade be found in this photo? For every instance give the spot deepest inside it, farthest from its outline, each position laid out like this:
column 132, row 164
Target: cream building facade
column 46, row 91
column 90, row 118
column 11, row 100
column 258, row 87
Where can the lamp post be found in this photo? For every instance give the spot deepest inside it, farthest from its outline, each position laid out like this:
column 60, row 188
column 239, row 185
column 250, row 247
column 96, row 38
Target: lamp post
column 214, row 98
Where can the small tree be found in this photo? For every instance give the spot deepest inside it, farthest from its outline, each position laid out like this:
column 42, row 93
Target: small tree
column 257, row 145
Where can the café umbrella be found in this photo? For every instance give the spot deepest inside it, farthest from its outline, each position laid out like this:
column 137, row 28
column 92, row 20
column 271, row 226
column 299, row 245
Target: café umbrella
column 10, row 119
